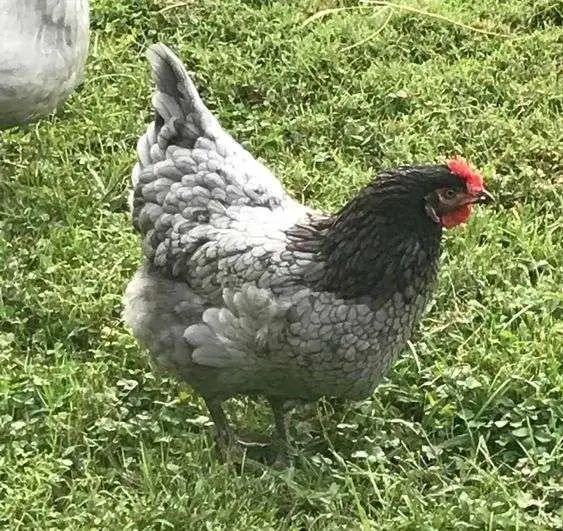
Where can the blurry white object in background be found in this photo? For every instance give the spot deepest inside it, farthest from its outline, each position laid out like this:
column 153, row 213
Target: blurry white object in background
column 43, row 48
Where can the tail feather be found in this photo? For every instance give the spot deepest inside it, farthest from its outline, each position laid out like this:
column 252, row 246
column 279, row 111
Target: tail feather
column 176, row 97
column 176, row 94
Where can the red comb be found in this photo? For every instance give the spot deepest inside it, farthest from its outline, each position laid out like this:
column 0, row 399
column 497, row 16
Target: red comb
column 459, row 166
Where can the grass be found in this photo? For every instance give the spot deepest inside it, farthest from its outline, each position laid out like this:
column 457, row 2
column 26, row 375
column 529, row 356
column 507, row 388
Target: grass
column 466, row 431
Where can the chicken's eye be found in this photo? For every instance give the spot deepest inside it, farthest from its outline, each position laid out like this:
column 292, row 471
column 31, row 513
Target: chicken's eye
column 449, row 194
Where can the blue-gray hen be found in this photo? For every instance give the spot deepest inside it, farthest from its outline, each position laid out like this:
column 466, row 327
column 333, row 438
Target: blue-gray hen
column 43, row 48
column 245, row 291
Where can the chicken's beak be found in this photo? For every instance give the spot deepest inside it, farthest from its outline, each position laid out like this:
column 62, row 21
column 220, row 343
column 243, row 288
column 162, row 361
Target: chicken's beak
column 483, row 196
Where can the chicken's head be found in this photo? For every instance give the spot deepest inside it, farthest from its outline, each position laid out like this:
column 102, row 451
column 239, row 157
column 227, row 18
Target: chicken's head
column 451, row 204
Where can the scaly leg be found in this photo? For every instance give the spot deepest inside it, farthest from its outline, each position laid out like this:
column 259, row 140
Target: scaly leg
column 225, row 437
column 281, row 440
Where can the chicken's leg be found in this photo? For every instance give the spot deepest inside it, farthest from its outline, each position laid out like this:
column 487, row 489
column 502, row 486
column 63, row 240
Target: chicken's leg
column 230, row 446
column 281, row 439
column 225, row 436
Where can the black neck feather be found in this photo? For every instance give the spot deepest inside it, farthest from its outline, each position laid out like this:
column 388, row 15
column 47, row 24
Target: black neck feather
column 379, row 243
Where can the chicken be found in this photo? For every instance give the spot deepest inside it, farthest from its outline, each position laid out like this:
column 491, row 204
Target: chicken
column 244, row 291
column 43, row 48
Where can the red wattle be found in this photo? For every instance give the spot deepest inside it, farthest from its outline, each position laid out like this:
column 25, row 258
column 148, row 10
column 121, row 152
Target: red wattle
column 455, row 217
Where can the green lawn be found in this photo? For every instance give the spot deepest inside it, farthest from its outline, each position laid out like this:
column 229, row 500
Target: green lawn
column 465, row 433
